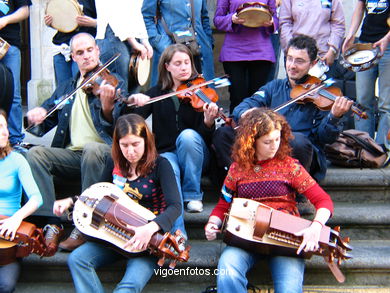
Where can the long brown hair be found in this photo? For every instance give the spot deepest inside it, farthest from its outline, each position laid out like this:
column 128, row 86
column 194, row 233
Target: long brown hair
column 254, row 125
column 7, row 149
column 136, row 125
column 164, row 76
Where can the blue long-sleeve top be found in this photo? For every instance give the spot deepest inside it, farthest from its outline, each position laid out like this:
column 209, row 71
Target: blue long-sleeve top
column 16, row 174
column 321, row 127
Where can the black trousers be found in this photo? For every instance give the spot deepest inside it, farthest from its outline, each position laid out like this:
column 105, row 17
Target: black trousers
column 246, row 78
column 6, row 88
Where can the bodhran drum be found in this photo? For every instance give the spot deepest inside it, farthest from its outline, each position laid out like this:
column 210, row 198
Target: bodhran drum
column 138, row 70
column 360, row 57
column 64, row 13
column 254, row 13
column 4, row 46
column 388, row 21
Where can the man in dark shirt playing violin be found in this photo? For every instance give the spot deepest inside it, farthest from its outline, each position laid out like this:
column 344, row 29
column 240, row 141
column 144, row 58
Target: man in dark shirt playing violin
column 84, row 130
column 312, row 128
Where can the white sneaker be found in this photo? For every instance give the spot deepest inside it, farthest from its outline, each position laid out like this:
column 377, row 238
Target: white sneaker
column 195, row 206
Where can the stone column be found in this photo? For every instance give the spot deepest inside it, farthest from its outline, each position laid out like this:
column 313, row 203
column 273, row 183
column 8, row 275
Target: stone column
column 41, row 85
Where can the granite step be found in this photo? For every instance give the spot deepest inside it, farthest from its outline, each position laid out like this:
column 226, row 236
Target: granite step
column 370, row 266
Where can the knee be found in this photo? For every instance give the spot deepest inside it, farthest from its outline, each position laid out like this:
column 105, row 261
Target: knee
column 96, row 150
column 189, row 140
column 301, row 144
column 36, row 155
column 7, row 286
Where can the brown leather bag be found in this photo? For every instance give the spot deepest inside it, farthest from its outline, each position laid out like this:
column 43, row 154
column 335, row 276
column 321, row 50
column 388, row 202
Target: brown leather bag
column 355, row 148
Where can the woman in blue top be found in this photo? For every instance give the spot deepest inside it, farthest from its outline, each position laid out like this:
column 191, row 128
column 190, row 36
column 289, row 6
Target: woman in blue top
column 15, row 174
column 177, row 15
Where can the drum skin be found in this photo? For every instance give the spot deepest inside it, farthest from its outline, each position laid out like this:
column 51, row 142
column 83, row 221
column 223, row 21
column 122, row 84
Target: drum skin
column 64, row 13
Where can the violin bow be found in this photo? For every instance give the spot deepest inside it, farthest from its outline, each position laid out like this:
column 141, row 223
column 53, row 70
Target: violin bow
column 62, row 102
column 218, row 82
column 325, row 83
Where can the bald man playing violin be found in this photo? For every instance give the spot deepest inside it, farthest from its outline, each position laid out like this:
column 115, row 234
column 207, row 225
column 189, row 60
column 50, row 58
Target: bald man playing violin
column 312, row 128
column 84, row 130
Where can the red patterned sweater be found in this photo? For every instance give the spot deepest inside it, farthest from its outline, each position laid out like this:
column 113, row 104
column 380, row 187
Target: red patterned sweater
column 274, row 183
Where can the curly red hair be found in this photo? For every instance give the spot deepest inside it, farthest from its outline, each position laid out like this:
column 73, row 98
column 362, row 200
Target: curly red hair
column 253, row 125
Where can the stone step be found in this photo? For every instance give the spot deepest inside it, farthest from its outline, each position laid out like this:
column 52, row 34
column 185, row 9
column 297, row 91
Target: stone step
column 195, row 287
column 370, row 266
column 357, row 221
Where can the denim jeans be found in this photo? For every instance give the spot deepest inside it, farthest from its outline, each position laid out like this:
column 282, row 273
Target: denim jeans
column 179, row 223
column 9, row 275
column 365, row 95
column 64, row 70
column 86, row 165
column 234, row 263
column 12, row 61
column 85, row 259
column 111, row 45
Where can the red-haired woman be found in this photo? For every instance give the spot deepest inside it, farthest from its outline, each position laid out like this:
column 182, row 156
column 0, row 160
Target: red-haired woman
column 136, row 163
column 263, row 171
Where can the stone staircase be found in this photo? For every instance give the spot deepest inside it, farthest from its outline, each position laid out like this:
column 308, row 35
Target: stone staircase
column 362, row 204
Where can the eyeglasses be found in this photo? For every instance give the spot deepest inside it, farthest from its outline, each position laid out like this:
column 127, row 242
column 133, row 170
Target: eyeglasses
column 297, row 61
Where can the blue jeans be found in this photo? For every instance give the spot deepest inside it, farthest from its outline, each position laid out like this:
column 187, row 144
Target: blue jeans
column 65, row 164
column 64, row 70
column 188, row 161
column 234, row 263
column 12, row 61
column 85, row 259
column 9, row 275
column 365, row 95
column 179, row 223
column 111, row 45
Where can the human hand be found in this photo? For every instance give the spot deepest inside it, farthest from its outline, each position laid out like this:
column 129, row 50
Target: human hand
column 106, row 92
column 341, row 106
column 211, row 230
column 211, row 112
column 37, row 115
column 311, row 236
column 48, row 19
column 61, row 205
column 329, row 57
column 141, row 237
column 138, row 99
column 237, row 20
column 87, row 21
column 382, row 44
column 348, row 42
column 9, row 226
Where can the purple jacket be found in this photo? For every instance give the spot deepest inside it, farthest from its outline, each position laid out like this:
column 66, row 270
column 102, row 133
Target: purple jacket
column 244, row 43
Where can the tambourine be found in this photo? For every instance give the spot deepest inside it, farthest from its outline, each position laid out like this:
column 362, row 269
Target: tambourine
column 360, row 57
column 388, row 21
column 64, row 13
column 138, row 70
column 4, row 46
column 254, row 13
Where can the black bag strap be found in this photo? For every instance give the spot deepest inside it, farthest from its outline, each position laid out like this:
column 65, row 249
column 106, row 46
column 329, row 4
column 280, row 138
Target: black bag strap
column 164, row 24
column 364, row 144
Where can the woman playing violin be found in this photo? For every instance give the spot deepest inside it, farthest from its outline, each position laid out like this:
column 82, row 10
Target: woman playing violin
column 15, row 175
column 263, row 170
column 147, row 178
column 182, row 133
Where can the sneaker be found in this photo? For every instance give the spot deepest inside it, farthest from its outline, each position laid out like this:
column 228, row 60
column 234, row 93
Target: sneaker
column 195, row 206
column 53, row 234
column 74, row 240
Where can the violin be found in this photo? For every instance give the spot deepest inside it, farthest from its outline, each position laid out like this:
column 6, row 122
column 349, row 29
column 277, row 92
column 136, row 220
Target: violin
column 200, row 96
column 319, row 93
column 93, row 85
column 87, row 80
column 198, row 93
